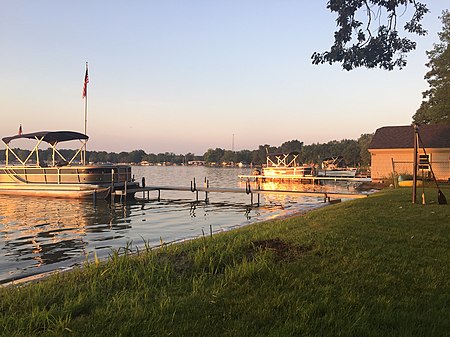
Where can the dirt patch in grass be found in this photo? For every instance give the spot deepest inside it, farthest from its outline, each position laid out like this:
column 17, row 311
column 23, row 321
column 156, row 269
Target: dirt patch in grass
column 284, row 251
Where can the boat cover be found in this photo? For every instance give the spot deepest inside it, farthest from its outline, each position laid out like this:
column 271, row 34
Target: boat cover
column 51, row 137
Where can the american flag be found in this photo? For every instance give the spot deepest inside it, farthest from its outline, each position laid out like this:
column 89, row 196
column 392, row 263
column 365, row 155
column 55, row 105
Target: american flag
column 86, row 81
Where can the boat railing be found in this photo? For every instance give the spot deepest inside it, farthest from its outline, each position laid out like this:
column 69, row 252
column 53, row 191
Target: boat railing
column 65, row 175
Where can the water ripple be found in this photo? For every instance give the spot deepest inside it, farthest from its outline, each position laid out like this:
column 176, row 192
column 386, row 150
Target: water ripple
column 40, row 235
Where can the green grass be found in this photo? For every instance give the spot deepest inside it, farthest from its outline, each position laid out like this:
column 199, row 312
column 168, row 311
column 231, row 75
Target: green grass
column 378, row 266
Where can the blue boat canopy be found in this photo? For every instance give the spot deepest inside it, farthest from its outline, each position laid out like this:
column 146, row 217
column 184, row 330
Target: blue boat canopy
column 51, row 137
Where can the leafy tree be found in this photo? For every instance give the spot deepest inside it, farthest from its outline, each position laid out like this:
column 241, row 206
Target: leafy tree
column 244, row 156
column 214, row 156
column 92, row 157
column 351, row 152
column 435, row 108
column 360, row 44
column 228, row 157
column 102, row 156
column 189, row 156
column 151, row 158
column 259, row 155
column 291, row 146
column 364, row 141
column 136, row 156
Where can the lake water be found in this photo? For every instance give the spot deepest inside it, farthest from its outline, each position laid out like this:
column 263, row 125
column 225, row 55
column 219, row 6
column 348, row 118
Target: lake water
column 39, row 235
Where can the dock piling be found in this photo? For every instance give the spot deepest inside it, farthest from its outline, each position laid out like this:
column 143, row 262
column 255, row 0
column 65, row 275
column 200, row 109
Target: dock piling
column 112, row 185
column 206, row 184
column 326, row 196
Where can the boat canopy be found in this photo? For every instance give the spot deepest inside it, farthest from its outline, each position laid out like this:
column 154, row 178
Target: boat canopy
column 283, row 153
column 288, row 159
column 51, row 137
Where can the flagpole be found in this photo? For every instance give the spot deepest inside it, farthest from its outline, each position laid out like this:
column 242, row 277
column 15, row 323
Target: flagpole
column 85, row 104
column 85, row 94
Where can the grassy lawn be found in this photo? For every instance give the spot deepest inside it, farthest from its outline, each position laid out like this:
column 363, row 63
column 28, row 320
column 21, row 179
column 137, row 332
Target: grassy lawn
column 378, row 266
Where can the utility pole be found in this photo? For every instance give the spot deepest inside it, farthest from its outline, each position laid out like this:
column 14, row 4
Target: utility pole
column 232, row 144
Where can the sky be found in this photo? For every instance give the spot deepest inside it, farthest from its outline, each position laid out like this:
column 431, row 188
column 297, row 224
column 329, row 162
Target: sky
column 188, row 75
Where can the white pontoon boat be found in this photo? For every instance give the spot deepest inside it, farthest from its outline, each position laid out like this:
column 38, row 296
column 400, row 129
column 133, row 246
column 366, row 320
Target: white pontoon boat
column 62, row 177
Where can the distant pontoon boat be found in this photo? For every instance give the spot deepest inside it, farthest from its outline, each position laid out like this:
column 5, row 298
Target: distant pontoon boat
column 283, row 167
column 62, row 177
column 334, row 167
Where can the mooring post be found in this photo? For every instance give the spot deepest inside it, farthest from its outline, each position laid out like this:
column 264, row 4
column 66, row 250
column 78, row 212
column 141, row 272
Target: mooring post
column 206, row 189
column 194, row 188
column 112, row 185
column 143, row 186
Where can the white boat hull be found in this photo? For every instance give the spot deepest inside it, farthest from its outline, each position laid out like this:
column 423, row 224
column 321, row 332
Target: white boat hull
column 349, row 173
column 76, row 191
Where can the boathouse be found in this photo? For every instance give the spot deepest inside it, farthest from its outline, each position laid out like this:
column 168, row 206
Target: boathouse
column 392, row 150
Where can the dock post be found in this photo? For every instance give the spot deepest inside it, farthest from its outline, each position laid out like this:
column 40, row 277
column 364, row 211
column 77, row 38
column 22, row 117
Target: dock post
column 206, row 189
column 112, row 185
column 194, row 188
column 143, row 186
column 159, row 195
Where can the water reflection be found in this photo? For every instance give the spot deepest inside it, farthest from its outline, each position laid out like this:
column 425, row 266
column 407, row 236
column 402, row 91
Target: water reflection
column 39, row 235
column 37, row 232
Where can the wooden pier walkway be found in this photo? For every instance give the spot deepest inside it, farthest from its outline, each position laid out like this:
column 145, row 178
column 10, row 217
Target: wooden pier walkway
column 247, row 190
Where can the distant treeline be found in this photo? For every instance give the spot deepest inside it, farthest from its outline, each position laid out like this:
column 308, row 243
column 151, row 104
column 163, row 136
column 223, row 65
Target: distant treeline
column 354, row 153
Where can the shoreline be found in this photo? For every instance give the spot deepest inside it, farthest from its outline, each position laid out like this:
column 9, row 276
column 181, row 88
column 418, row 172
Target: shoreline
column 317, row 272
column 44, row 275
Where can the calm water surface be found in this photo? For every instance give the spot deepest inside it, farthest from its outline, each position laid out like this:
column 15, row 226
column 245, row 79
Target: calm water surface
column 39, row 235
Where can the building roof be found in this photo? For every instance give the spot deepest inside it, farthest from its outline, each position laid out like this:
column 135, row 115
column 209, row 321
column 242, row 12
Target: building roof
column 401, row 137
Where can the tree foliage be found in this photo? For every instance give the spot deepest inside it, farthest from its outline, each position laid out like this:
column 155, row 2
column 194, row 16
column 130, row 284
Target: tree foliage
column 354, row 153
column 368, row 34
column 435, row 107
column 364, row 142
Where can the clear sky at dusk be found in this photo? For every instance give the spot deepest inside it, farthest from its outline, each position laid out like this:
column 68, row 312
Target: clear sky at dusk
column 185, row 75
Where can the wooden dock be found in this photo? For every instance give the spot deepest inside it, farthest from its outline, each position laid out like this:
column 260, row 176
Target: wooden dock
column 121, row 194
